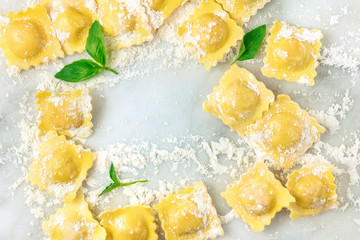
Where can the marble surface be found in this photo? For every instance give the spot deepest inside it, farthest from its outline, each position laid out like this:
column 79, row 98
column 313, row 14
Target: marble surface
column 168, row 103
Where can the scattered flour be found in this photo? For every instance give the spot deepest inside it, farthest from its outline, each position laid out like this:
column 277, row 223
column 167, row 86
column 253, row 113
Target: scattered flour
column 208, row 157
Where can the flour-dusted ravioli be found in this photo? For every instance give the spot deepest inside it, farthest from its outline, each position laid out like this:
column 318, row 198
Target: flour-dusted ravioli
column 74, row 221
column 189, row 215
column 211, row 32
column 126, row 21
column 314, row 190
column 60, row 166
column 257, row 196
column 239, row 100
column 160, row 10
column 68, row 113
column 242, row 10
column 292, row 54
column 285, row 131
column 130, row 223
column 72, row 20
column 28, row 38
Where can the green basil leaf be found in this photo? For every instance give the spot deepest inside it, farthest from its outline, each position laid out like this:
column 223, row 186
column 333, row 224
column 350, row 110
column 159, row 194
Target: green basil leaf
column 116, row 183
column 95, row 46
column 112, row 173
column 109, row 188
column 131, row 183
column 79, row 71
column 251, row 43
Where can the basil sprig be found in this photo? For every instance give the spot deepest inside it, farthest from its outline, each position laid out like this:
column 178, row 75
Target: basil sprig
column 251, row 43
column 85, row 69
column 116, row 183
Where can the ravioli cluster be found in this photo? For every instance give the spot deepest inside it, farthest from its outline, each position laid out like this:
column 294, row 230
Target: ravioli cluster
column 58, row 27
column 280, row 128
column 277, row 126
column 60, row 165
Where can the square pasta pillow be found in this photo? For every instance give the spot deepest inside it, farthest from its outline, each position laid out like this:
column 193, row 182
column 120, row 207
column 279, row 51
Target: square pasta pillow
column 74, row 221
column 160, row 10
column 292, row 54
column 60, row 166
column 28, row 38
column 239, row 100
column 313, row 188
column 130, row 223
column 257, row 196
column 126, row 21
column 68, row 113
column 242, row 10
column 72, row 20
column 189, row 215
column 285, row 131
column 210, row 32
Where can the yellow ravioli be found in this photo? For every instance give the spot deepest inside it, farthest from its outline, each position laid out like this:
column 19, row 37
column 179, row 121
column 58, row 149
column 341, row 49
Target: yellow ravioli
column 125, row 21
column 60, row 166
column 242, row 10
column 285, row 132
column 72, row 20
column 189, row 215
column 257, row 197
column 292, row 54
column 239, row 100
column 314, row 190
column 68, row 113
column 211, row 32
column 160, row 10
column 28, row 38
column 74, row 221
column 130, row 223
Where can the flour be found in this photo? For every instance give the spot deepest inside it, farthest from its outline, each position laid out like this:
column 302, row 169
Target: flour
column 336, row 56
column 210, row 159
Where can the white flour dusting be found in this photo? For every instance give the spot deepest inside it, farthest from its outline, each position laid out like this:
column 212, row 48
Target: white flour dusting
column 208, row 157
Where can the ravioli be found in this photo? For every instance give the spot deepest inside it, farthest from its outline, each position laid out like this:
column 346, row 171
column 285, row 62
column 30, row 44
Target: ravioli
column 125, row 21
column 72, row 20
column 189, row 214
column 28, row 38
column 239, row 100
column 74, row 221
column 130, row 223
column 314, row 190
column 285, row 132
column 292, row 54
column 211, row 32
column 160, row 10
column 68, row 113
column 257, row 196
column 242, row 10
column 60, row 166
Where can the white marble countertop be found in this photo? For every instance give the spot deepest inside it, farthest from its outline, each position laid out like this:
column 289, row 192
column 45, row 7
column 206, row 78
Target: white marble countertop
column 169, row 103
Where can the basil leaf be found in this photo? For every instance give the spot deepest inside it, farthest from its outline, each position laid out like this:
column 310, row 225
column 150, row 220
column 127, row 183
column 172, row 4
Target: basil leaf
column 95, row 46
column 112, row 173
column 131, row 183
column 79, row 71
column 116, row 183
column 112, row 186
column 251, row 43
